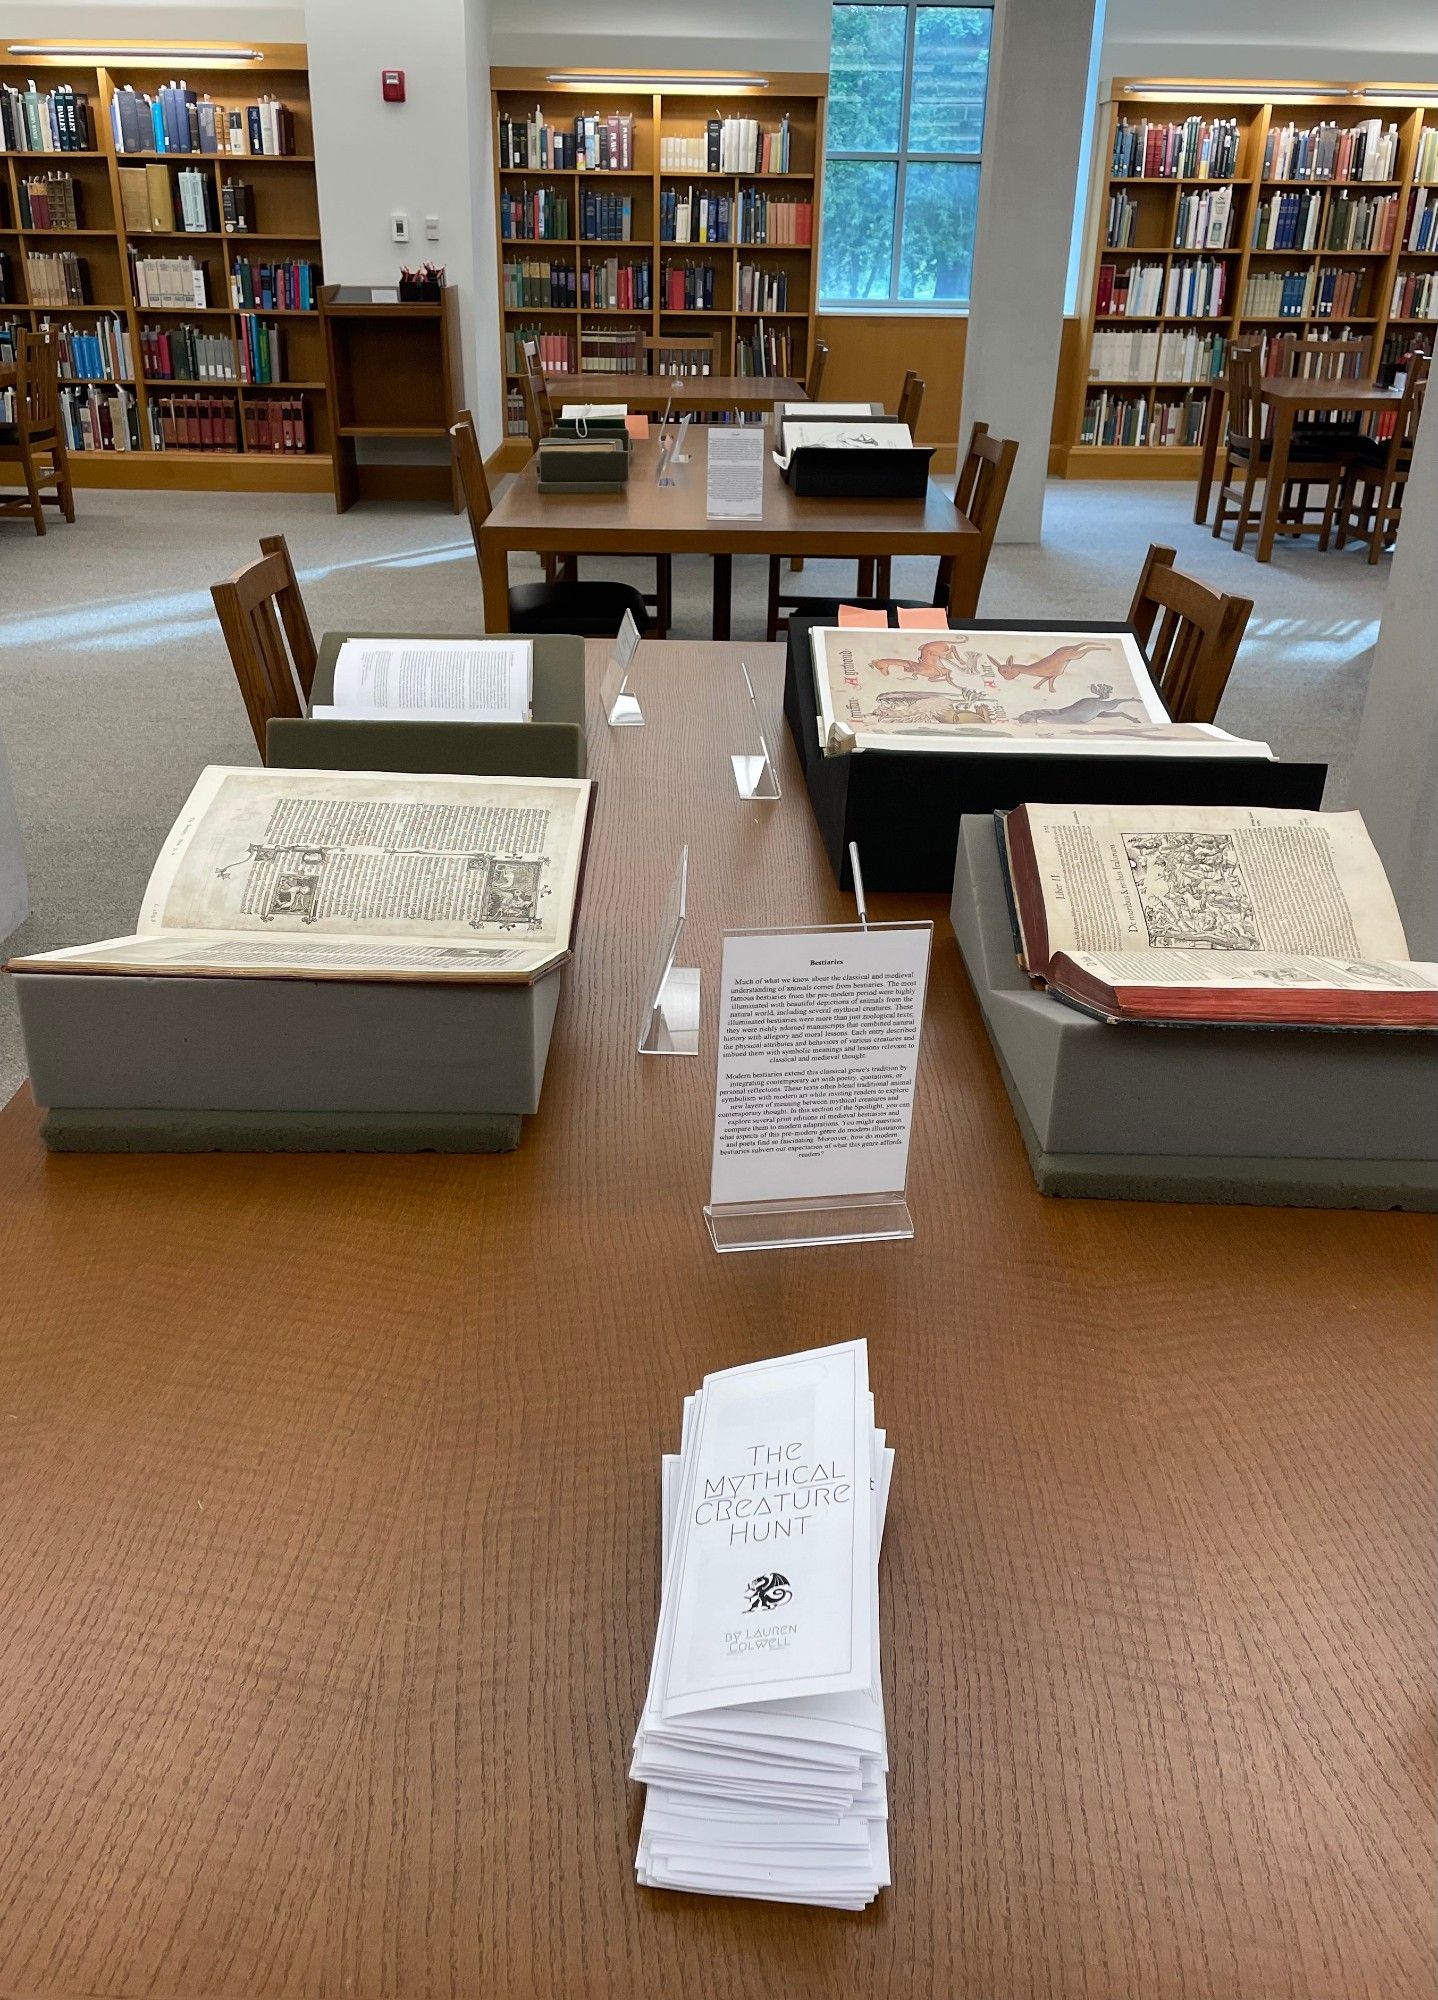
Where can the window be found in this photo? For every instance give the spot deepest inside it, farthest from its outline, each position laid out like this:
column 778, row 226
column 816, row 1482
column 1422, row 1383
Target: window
column 905, row 136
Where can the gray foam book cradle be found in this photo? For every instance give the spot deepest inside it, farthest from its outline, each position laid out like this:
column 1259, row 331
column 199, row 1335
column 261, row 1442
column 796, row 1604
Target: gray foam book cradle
column 1284, row 1116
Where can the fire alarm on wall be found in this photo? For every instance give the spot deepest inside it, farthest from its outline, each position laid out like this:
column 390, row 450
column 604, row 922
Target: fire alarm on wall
column 392, row 83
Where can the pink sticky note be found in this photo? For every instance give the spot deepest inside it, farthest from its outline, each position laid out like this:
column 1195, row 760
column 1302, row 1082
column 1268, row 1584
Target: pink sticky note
column 924, row 618
column 854, row 614
column 637, row 426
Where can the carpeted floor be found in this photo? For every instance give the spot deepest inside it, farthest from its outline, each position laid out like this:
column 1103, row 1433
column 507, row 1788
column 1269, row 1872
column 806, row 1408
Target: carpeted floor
column 115, row 687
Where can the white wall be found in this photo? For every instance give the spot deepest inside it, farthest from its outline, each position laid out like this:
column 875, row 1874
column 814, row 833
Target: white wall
column 665, row 34
column 1323, row 41
column 426, row 156
column 160, row 20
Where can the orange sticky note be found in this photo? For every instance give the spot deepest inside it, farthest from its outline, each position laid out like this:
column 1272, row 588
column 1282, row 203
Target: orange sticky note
column 637, row 426
column 924, row 618
column 854, row 614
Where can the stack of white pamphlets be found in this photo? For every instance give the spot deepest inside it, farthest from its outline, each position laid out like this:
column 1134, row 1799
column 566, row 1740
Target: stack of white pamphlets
column 432, row 680
column 762, row 1739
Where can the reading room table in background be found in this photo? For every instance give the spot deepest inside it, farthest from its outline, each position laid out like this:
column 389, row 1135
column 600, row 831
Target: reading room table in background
column 329, row 1510
column 677, row 392
column 645, row 518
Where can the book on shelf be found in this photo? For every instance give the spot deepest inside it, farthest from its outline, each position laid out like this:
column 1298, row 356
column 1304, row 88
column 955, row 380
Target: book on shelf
column 610, row 350
column 199, row 206
column 532, row 214
column 48, row 201
column 57, row 278
column 1145, row 354
column 1024, row 692
column 1415, row 295
column 1193, row 148
column 556, row 350
column 356, row 875
column 1360, row 222
column 176, row 119
column 1222, row 915
column 1288, row 220
column 98, row 353
column 605, row 217
column 275, row 424
column 173, row 283
column 757, row 289
column 687, row 287
column 7, row 279
column 771, row 219
column 1425, row 160
column 186, row 354
column 729, row 146
column 766, row 351
column 44, row 121
column 1205, row 219
column 616, row 285
column 192, row 423
column 1195, row 289
column 289, row 284
column 539, row 281
column 237, row 207
column 1328, row 151
column 1421, row 230
column 592, row 142
column 99, row 417
column 695, row 216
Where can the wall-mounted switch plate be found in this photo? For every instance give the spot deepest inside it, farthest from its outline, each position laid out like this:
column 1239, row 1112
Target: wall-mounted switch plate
column 431, row 229
column 399, row 228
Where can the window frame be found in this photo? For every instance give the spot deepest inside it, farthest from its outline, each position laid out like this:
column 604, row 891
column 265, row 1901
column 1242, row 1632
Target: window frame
column 900, row 159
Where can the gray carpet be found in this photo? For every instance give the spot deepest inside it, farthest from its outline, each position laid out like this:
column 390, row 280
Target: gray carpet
column 115, row 687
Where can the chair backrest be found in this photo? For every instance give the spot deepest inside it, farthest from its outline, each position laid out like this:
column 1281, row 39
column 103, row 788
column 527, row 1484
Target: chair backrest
column 533, row 417
column 473, row 479
column 538, row 382
column 675, row 354
column 983, row 481
column 1415, row 387
column 36, row 396
column 260, row 608
column 1245, row 415
column 1189, row 635
column 1319, row 360
column 814, row 380
column 911, row 400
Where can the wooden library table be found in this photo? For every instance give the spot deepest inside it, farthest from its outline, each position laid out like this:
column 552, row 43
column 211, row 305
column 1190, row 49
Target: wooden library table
column 1286, row 396
column 679, row 392
column 649, row 519
column 329, row 1528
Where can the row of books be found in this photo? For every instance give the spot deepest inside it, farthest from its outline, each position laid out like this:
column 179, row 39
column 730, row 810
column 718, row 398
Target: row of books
column 262, row 351
column 1288, row 221
column 538, row 281
column 174, row 120
column 533, row 215
column 687, row 217
column 556, row 350
column 1415, row 295
column 610, row 350
column 99, row 418
column 171, row 282
column 687, row 287
column 729, row 146
column 217, row 423
column 187, row 354
column 48, row 201
column 1361, row 222
column 767, row 350
column 291, row 284
column 1195, row 290
column 1331, row 152
column 57, row 278
column 1144, row 354
column 7, row 279
column 1196, row 147
column 1121, row 226
column 1205, row 219
column 758, row 289
column 1323, row 294
column 616, row 285
column 98, row 353
column 767, row 218
column 595, row 142
column 605, row 218
column 1425, row 160
column 1127, row 419
column 275, row 424
column 147, row 202
column 44, row 121
column 1422, row 230
column 199, row 204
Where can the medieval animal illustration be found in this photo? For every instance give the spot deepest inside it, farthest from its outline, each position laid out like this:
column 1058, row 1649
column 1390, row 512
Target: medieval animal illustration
column 767, row 1593
column 1096, row 706
column 1192, row 892
column 933, row 664
column 966, row 705
column 1049, row 666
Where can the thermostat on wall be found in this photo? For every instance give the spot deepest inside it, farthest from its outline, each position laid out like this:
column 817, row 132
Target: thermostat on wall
column 392, row 84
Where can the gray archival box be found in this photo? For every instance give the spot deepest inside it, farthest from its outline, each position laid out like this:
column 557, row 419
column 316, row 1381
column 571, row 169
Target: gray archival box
column 1282, row 1116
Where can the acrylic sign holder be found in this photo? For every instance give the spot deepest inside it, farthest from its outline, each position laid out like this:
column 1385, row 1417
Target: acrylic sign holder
column 670, row 1025
column 754, row 774
column 621, row 709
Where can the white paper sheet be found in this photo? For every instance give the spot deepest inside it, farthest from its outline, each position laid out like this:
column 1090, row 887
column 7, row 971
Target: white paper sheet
column 477, row 680
column 735, row 488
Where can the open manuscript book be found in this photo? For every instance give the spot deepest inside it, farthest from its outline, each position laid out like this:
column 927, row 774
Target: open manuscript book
column 357, row 875
column 1231, row 915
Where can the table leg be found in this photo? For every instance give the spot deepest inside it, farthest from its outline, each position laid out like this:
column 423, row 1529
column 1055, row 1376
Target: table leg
column 965, row 578
column 723, row 582
column 1212, row 432
column 494, row 579
column 1277, row 478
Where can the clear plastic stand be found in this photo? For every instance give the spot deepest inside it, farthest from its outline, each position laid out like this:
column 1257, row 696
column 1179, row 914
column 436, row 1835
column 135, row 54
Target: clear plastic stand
column 754, row 773
column 681, row 456
column 621, row 709
column 670, row 1026
column 801, row 1222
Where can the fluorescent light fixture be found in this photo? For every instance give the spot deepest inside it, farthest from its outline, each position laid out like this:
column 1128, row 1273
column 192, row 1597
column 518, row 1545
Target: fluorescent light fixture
column 598, row 79
column 1252, row 93
column 144, row 52
column 1395, row 94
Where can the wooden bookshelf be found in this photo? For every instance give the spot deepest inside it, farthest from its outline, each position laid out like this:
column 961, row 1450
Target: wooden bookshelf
column 395, row 371
column 680, row 109
column 286, row 226
column 1257, row 109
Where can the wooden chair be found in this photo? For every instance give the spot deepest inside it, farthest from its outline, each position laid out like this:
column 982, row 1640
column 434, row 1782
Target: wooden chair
column 911, row 400
column 35, row 441
column 814, row 380
column 682, row 354
column 595, row 610
column 1312, row 461
column 533, row 420
column 982, row 484
column 537, row 383
column 1371, row 505
column 267, row 630
column 1189, row 635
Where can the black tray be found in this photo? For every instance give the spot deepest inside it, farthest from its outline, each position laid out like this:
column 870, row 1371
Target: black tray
column 828, row 472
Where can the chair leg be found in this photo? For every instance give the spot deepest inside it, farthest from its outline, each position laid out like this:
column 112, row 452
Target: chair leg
column 771, row 624
column 60, row 459
column 1220, row 512
column 1245, row 505
column 864, row 581
column 1345, row 507
column 663, row 596
column 1381, row 508
column 32, row 485
column 1329, row 510
column 884, row 577
column 796, row 562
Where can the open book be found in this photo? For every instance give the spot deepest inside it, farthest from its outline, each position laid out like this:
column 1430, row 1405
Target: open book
column 1228, row 914
column 357, row 875
column 1021, row 691
column 444, row 680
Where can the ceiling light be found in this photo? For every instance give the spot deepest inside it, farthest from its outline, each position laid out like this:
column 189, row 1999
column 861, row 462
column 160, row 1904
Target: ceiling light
column 1255, row 93
column 635, row 80
column 141, row 52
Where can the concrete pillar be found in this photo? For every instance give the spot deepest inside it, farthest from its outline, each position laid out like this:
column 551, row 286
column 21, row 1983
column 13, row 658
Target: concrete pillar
column 14, row 890
column 427, row 156
column 1021, row 250
column 1395, row 768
